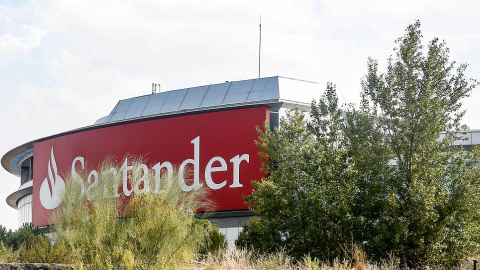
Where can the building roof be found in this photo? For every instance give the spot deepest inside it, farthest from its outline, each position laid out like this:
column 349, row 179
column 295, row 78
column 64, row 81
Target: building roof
column 216, row 96
column 271, row 91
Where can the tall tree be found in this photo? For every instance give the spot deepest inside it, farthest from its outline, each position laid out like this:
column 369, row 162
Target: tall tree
column 422, row 196
column 385, row 176
column 304, row 202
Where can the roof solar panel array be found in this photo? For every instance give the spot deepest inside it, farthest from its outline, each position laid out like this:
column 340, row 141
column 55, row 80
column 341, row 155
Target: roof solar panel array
column 209, row 96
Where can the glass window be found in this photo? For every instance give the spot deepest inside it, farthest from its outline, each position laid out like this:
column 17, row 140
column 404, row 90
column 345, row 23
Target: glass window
column 26, row 171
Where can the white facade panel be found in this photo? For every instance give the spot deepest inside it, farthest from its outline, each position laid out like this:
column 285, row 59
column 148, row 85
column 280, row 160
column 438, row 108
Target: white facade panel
column 25, row 210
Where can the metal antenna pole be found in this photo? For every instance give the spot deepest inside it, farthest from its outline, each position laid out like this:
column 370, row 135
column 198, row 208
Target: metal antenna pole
column 260, row 46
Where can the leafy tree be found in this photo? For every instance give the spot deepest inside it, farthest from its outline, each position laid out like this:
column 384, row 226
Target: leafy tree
column 385, row 176
column 27, row 244
column 419, row 195
column 304, row 202
column 3, row 233
column 25, row 235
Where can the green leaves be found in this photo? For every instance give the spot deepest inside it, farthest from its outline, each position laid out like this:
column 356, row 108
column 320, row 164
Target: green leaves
column 384, row 176
column 304, row 202
column 425, row 196
column 153, row 231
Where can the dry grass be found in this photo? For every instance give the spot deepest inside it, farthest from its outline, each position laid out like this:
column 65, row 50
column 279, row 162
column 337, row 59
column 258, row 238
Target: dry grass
column 241, row 259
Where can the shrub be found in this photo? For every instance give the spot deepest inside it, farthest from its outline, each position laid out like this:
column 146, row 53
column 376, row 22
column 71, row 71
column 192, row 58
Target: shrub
column 28, row 244
column 214, row 242
column 152, row 231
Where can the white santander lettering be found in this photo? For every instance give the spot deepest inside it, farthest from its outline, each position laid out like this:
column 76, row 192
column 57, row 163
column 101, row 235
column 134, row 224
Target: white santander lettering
column 75, row 175
column 125, row 168
column 158, row 169
column 236, row 160
column 143, row 179
column 209, row 169
column 140, row 181
column 92, row 181
column 196, row 172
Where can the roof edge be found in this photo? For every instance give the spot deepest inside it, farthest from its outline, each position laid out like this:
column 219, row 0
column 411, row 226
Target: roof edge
column 10, row 155
column 13, row 153
column 13, row 198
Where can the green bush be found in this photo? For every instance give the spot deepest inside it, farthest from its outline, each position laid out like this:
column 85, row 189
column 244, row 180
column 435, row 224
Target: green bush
column 27, row 234
column 214, row 242
column 152, row 231
column 28, row 244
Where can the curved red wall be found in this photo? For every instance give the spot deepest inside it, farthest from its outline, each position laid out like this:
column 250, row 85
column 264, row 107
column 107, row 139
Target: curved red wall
column 227, row 135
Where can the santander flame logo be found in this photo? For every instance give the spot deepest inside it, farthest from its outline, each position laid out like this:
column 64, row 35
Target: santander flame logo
column 53, row 186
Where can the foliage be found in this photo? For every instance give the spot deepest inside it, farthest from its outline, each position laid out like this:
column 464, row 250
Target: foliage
column 95, row 230
column 304, row 203
column 261, row 236
column 160, row 231
column 27, row 234
column 384, row 176
column 425, row 199
column 27, row 244
column 214, row 241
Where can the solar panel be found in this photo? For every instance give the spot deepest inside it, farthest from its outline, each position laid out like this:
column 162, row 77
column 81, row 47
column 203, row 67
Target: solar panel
column 211, row 96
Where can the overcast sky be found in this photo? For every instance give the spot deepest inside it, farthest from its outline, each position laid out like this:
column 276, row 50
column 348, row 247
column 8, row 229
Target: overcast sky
column 64, row 64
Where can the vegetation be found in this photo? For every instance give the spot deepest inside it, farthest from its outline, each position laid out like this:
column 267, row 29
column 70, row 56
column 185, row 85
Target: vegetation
column 244, row 259
column 27, row 234
column 27, row 244
column 426, row 206
column 384, row 177
column 96, row 230
column 240, row 259
column 305, row 201
column 152, row 231
column 382, row 181
column 214, row 242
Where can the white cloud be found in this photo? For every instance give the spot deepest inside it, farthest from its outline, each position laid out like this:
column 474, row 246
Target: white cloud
column 10, row 43
column 66, row 63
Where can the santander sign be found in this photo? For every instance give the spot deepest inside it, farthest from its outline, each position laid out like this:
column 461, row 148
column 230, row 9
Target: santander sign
column 52, row 188
column 217, row 148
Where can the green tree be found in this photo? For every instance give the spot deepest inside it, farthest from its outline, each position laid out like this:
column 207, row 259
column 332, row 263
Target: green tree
column 419, row 196
column 25, row 235
column 28, row 244
column 385, row 177
column 304, row 202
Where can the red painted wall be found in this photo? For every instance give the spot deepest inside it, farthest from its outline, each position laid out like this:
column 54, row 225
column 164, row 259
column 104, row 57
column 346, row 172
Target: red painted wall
column 224, row 134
